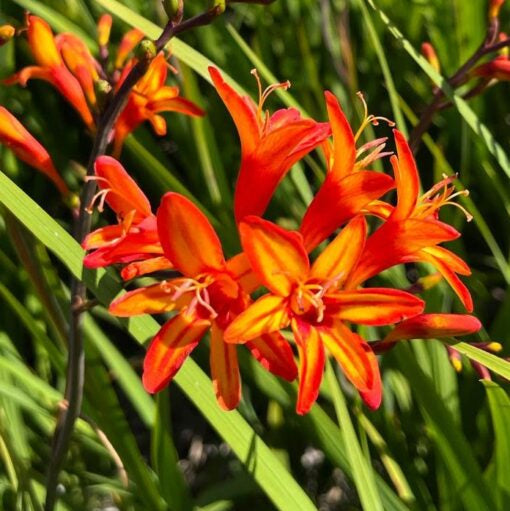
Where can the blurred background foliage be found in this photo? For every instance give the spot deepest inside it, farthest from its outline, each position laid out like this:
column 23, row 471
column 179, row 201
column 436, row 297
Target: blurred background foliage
column 439, row 441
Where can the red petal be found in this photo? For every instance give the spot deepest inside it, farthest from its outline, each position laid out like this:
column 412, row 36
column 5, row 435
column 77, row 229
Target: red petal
column 276, row 255
column 187, row 237
column 170, row 348
column 139, row 268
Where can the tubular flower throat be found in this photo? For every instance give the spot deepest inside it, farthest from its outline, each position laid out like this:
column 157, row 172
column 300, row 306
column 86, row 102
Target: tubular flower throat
column 411, row 230
column 270, row 144
column 313, row 301
column 208, row 297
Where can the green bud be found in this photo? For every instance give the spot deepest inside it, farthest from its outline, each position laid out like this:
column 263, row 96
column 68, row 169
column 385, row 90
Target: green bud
column 174, row 9
column 102, row 89
column 219, row 6
column 146, row 50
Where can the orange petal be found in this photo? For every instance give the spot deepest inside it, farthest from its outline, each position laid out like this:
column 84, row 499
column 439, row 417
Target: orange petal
column 170, row 348
column 14, row 135
column 242, row 110
column 344, row 145
column 396, row 242
column 338, row 259
column 139, row 268
column 352, row 353
column 176, row 104
column 240, row 268
column 454, row 262
column 127, row 45
column 154, row 78
column 187, row 237
column 434, row 326
column 224, row 370
column 154, row 299
column 339, row 200
column 268, row 314
column 124, row 195
column 276, row 255
column 42, row 44
column 103, row 236
column 275, row 354
column 374, row 306
column 104, row 27
column 407, row 178
column 372, row 397
column 311, row 364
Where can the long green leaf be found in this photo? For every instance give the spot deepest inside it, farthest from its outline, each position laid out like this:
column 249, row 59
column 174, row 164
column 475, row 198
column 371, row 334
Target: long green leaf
column 492, row 362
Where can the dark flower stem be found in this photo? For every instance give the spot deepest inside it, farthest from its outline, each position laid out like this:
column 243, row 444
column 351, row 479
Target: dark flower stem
column 488, row 45
column 82, row 227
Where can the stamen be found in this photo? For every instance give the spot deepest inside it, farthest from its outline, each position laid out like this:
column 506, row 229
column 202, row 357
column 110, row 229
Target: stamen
column 369, row 119
column 204, row 301
column 101, row 195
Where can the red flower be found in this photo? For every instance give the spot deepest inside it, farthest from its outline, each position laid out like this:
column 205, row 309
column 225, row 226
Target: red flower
column 270, row 145
column 209, row 296
column 313, row 301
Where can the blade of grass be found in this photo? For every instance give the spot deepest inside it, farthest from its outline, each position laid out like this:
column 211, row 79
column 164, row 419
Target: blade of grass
column 492, row 362
column 362, row 472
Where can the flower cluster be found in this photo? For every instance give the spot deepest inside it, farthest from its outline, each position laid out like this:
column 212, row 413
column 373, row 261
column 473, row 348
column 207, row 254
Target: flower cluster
column 321, row 300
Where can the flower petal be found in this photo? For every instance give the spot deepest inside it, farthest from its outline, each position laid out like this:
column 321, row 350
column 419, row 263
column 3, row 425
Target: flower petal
column 139, row 268
column 240, row 268
column 352, row 353
column 407, row 178
column 434, row 326
column 311, row 364
column 339, row 200
column 242, row 110
column 127, row 45
column 42, row 43
column 274, row 354
column 224, row 370
column 453, row 261
column 187, row 237
column 103, row 236
column 267, row 314
column 374, row 306
column 170, row 348
column 154, row 299
column 372, row 397
column 124, row 195
column 276, row 255
column 344, row 145
column 339, row 258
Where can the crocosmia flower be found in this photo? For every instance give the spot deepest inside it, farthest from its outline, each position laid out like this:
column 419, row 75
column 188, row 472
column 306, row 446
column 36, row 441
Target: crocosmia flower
column 313, row 301
column 128, row 43
column 135, row 238
column 14, row 135
column 270, row 144
column 348, row 187
column 51, row 68
column 412, row 230
column 150, row 96
column 207, row 297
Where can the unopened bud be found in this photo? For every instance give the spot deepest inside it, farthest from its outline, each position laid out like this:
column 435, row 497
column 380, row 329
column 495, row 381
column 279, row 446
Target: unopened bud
column 104, row 27
column 495, row 7
column 503, row 51
column 7, row 32
column 146, row 50
column 430, row 54
column 102, row 89
column 219, row 6
column 174, row 9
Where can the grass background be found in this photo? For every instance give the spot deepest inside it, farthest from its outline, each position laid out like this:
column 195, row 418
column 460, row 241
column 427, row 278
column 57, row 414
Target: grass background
column 440, row 439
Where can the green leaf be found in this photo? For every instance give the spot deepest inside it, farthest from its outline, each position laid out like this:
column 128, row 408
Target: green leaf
column 492, row 362
column 499, row 404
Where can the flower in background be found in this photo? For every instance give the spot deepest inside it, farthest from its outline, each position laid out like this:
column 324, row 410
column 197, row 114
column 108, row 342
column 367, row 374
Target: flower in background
column 149, row 97
column 14, row 135
column 412, row 231
column 7, row 32
column 313, row 301
column 348, row 187
column 128, row 43
column 270, row 144
column 51, row 68
column 134, row 239
column 208, row 297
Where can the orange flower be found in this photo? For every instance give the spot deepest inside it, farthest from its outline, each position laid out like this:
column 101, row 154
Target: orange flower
column 51, row 68
column 104, row 27
column 135, row 237
column 412, row 231
column 270, row 145
column 149, row 97
column 14, row 135
column 347, row 188
column 208, row 296
column 127, row 45
column 313, row 301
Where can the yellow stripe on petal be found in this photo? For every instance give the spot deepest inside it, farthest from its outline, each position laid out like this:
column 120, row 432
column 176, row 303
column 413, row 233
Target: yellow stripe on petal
column 170, row 348
column 187, row 237
column 268, row 314
column 341, row 255
column 276, row 255
column 224, row 370
column 42, row 44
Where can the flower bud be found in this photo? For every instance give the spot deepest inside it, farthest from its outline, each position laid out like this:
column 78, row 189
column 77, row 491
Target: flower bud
column 146, row 50
column 174, row 9
column 219, row 6
column 102, row 89
column 495, row 7
column 7, row 32
column 428, row 51
column 104, row 27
